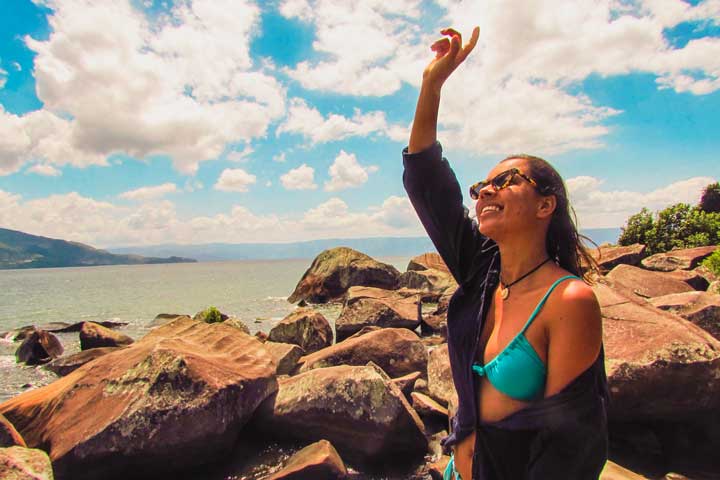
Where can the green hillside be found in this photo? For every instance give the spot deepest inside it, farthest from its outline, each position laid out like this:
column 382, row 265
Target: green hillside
column 21, row 250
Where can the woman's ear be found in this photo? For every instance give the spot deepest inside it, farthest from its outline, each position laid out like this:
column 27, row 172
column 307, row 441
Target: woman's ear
column 546, row 206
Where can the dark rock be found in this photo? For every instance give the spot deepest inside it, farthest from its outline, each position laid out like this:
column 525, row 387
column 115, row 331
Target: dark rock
column 644, row 283
column 63, row 327
column 397, row 351
column 9, row 437
column 64, row 365
column 262, row 336
column 685, row 259
column 426, row 406
column 701, row 308
column 304, row 327
column 335, row 270
column 93, row 335
column 318, row 461
column 285, row 355
column 176, row 398
column 364, row 416
column 376, row 307
column 406, row 383
column 39, row 347
column 18, row 334
column 20, row 463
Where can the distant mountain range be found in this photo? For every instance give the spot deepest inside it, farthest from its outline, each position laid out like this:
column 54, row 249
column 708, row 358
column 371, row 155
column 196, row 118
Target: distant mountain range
column 375, row 247
column 22, row 250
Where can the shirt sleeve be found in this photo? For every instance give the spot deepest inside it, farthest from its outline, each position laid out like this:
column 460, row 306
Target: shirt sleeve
column 435, row 194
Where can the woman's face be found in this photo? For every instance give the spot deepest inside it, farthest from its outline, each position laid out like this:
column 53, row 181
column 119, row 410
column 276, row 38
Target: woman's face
column 511, row 210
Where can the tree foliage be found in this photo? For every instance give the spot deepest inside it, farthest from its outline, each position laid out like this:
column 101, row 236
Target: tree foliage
column 677, row 226
column 710, row 200
column 713, row 262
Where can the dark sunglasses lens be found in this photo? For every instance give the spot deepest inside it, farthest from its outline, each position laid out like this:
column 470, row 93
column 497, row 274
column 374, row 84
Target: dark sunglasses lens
column 475, row 189
column 500, row 181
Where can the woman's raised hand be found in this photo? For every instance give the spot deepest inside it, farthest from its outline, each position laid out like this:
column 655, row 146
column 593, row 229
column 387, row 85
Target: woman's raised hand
column 449, row 54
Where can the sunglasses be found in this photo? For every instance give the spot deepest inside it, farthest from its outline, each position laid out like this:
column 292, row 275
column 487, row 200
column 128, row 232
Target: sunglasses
column 501, row 180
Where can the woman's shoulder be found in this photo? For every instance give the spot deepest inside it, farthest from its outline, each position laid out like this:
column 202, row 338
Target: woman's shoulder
column 574, row 297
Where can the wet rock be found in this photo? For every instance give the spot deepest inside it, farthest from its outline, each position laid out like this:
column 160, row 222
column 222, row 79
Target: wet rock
column 318, row 461
column 9, row 437
column 38, row 347
column 286, row 356
column 397, row 351
column 644, row 283
column 237, row 323
column 406, row 383
column 304, row 327
column 376, row 307
column 685, row 259
column 365, row 417
column 426, row 406
column 654, row 354
column 610, row 256
column 701, row 308
column 613, row 471
column 440, row 383
column 19, row 463
column 431, row 280
column 177, row 397
column 64, row 365
column 335, row 270
column 163, row 318
column 93, row 335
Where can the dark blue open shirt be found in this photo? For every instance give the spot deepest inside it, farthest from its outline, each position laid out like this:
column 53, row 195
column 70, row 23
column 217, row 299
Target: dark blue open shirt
column 565, row 435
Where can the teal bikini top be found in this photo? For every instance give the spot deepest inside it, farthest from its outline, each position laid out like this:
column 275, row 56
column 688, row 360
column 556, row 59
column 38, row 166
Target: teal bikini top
column 517, row 371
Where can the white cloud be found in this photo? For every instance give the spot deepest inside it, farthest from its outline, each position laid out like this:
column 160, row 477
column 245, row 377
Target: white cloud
column 346, row 172
column 596, row 208
column 181, row 84
column 309, row 122
column 149, row 193
column 300, row 178
column 3, row 78
column 235, row 180
column 17, row 66
column 279, row 158
column 45, row 170
column 242, row 155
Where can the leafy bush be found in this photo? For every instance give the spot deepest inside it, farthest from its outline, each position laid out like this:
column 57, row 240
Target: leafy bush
column 712, row 262
column 677, row 226
column 710, row 200
column 209, row 315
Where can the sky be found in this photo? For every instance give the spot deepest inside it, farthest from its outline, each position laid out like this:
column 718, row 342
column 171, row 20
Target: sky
column 141, row 122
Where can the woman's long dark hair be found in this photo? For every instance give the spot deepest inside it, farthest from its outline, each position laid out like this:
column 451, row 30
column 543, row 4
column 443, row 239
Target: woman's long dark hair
column 564, row 242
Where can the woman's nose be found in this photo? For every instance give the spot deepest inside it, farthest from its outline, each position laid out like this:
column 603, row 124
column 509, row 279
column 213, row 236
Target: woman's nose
column 486, row 191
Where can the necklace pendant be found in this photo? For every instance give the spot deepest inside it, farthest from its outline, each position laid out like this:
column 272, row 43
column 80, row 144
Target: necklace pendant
column 504, row 293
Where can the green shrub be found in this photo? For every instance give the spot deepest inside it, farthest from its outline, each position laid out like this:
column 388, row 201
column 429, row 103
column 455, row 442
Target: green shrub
column 209, row 315
column 710, row 200
column 712, row 262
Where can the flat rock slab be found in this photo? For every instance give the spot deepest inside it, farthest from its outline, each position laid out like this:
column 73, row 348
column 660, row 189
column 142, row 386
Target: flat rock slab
column 659, row 365
column 645, row 283
column 19, row 463
column 65, row 365
column 692, row 277
column 362, row 414
column 93, row 335
column 406, row 383
column 397, row 351
column 319, row 461
column 610, row 256
column 426, row 406
column 377, row 307
column 701, row 308
column 176, row 398
column 685, row 259
column 335, row 270
column 304, row 327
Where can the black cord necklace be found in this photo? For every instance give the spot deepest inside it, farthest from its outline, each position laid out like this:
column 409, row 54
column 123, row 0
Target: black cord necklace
column 505, row 287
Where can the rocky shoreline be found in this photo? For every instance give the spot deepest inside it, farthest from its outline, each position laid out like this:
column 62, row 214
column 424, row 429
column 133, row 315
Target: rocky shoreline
column 369, row 398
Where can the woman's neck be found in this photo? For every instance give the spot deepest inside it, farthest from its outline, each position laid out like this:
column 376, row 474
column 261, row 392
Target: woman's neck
column 518, row 258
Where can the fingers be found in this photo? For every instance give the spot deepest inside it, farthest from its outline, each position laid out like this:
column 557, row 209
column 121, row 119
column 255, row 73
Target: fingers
column 440, row 47
column 452, row 33
column 470, row 45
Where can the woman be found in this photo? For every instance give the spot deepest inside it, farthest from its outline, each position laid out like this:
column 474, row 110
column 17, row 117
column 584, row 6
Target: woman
column 524, row 329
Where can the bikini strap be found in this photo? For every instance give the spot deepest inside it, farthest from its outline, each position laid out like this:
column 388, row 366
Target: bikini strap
column 544, row 298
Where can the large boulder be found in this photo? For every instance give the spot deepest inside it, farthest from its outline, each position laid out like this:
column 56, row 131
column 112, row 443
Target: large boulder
column 19, row 463
column 366, row 417
column 645, row 283
column 440, row 381
column 377, row 307
column 653, row 354
column 93, row 335
column 610, row 256
column 304, row 327
column 337, row 269
column 684, row 259
column 701, row 308
column 427, row 261
column 319, row 461
column 429, row 280
column 64, row 365
column 177, row 397
column 38, row 347
column 9, row 437
column 397, row 351
column 286, row 356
